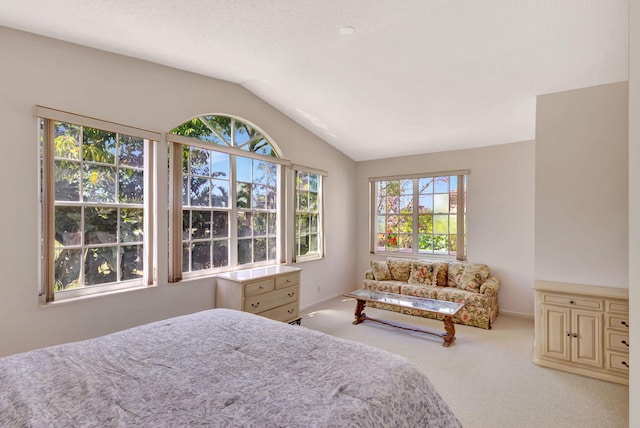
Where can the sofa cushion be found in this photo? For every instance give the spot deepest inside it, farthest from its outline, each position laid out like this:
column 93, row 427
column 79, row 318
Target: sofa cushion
column 468, row 276
column 385, row 286
column 399, row 268
column 419, row 291
column 380, row 270
column 427, row 272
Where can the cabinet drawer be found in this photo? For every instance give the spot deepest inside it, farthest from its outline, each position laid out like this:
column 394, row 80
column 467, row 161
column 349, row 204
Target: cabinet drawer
column 619, row 322
column 617, row 341
column 618, row 362
column 573, row 301
column 617, row 306
column 264, row 302
column 283, row 313
column 287, row 280
column 258, row 287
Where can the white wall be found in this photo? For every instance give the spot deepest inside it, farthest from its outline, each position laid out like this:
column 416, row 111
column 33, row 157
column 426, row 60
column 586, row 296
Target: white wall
column 500, row 211
column 37, row 70
column 582, row 186
column 634, row 210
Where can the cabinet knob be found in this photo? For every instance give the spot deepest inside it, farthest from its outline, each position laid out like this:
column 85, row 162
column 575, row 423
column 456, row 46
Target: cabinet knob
column 261, row 287
column 624, row 323
column 575, row 335
column 291, row 294
column 624, row 363
column 572, row 302
column 625, row 342
column 568, row 334
column 291, row 311
column 255, row 305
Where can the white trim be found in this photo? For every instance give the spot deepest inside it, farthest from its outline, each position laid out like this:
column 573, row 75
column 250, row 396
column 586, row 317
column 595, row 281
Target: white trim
column 316, row 171
column 90, row 122
column 420, row 175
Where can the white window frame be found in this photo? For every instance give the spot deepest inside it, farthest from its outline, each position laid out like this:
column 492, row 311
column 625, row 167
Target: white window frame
column 295, row 211
column 460, row 219
column 176, row 143
column 48, row 203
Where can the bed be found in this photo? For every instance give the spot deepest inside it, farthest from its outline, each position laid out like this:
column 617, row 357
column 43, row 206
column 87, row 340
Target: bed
column 218, row 368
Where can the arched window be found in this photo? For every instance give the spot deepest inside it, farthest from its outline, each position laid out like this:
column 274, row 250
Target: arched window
column 227, row 204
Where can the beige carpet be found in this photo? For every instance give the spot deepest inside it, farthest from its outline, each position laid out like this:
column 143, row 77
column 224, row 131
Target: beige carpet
column 487, row 376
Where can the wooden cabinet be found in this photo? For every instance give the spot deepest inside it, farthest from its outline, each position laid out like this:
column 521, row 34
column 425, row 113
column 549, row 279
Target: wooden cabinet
column 272, row 292
column 581, row 329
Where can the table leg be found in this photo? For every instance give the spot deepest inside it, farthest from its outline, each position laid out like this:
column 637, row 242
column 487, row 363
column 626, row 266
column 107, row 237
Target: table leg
column 360, row 317
column 450, row 334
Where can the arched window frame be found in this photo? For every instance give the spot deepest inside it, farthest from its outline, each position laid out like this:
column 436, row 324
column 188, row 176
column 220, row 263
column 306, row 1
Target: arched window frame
column 229, row 145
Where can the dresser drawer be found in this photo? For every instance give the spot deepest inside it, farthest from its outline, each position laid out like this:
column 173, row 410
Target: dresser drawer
column 618, row 322
column 258, row 287
column 618, row 362
column 617, row 306
column 264, row 302
column 573, row 301
column 287, row 280
column 617, row 341
column 282, row 313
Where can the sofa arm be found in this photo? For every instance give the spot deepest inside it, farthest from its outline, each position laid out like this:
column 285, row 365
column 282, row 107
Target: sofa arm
column 369, row 274
column 490, row 287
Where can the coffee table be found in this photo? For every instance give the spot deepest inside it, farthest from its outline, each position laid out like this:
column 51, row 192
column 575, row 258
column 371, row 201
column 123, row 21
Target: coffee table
column 447, row 309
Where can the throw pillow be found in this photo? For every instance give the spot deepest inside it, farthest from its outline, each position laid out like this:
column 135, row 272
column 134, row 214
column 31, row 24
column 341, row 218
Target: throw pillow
column 380, row 270
column 421, row 273
column 399, row 268
column 473, row 277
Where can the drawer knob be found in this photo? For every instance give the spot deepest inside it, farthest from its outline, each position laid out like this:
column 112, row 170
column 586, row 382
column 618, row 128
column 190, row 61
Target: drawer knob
column 291, row 294
column 291, row 311
column 575, row 335
column 624, row 323
column 288, row 281
column 572, row 302
column 255, row 305
column 624, row 363
column 625, row 342
column 261, row 287
column 568, row 334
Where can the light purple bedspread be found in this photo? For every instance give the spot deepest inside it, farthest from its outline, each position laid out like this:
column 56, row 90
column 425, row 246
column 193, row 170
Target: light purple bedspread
column 217, row 368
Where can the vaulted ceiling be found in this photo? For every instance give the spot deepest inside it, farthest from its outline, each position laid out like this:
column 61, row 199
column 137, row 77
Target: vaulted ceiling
column 413, row 76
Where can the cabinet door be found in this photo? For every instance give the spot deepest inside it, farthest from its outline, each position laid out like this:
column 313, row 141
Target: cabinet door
column 587, row 346
column 556, row 332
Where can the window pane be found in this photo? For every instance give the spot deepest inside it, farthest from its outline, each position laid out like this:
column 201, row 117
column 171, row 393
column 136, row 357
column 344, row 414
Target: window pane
column 313, row 201
column 272, row 197
column 67, row 269
column 426, row 203
column 186, row 257
column 99, row 183
column 453, row 224
column 67, row 140
column 98, row 146
column 302, row 245
column 406, row 204
column 100, row 225
column 200, row 255
column 200, row 190
column 67, row 224
column 220, row 194
column 303, row 201
column 186, row 224
column 272, row 249
column 243, row 195
column 441, row 223
column 131, row 224
column 405, row 243
column 313, row 223
column 200, row 224
column 244, row 224
column 313, row 183
column 440, row 243
column 220, row 164
column 220, row 224
column 425, row 242
column 259, row 250
column 100, row 265
column 271, row 223
column 131, row 151
column 244, row 251
column 67, row 185
column 425, row 223
column 441, row 203
column 259, row 224
column 302, row 223
column 393, row 204
column 313, row 243
column 200, row 162
column 131, row 262
column 259, row 197
column 131, row 183
column 243, row 169
column 220, row 253
column 425, row 185
column 441, row 185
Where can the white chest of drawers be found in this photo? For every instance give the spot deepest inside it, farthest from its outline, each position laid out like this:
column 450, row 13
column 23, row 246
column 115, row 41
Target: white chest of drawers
column 272, row 292
column 583, row 329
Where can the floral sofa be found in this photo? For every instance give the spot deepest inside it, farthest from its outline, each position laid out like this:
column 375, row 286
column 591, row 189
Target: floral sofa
column 468, row 283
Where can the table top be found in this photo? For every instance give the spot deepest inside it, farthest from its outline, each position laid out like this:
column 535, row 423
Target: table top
column 413, row 302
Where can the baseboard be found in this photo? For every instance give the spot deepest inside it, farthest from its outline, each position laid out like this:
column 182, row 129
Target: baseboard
column 319, row 302
column 516, row 314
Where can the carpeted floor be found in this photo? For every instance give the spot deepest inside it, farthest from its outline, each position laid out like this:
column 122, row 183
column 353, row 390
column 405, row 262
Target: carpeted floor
column 487, row 376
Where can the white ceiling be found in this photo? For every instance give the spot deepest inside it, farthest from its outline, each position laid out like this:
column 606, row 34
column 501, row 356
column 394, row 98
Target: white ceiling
column 417, row 76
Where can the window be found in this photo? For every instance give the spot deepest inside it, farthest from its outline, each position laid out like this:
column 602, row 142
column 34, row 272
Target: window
column 228, row 179
column 420, row 215
column 94, row 198
column 308, row 214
